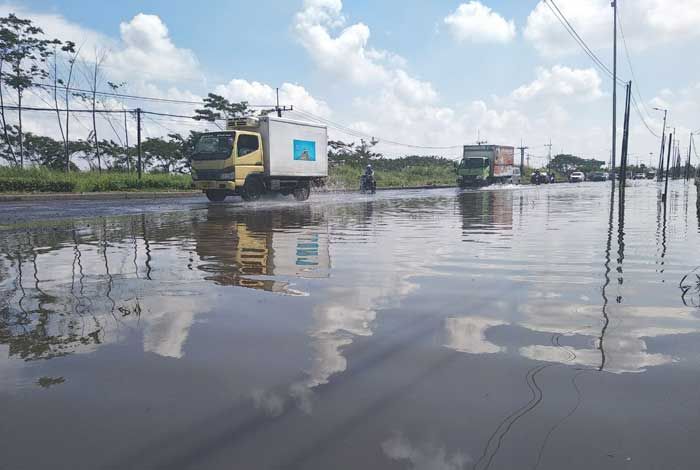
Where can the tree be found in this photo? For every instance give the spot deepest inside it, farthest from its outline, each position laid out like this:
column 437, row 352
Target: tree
column 217, row 107
column 70, row 53
column 339, row 150
column 565, row 164
column 25, row 51
column 115, row 153
column 364, row 150
column 11, row 138
column 79, row 148
column 45, row 151
column 356, row 154
column 92, row 73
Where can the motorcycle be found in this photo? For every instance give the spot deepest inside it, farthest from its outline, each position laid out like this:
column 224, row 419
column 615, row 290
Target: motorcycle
column 536, row 178
column 368, row 184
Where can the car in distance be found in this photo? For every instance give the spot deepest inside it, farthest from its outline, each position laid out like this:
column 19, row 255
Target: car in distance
column 599, row 176
column 577, row 177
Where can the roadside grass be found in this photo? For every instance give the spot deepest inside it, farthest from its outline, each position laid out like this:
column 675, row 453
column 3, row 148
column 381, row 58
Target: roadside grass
column 46, row 180
column 347, row 176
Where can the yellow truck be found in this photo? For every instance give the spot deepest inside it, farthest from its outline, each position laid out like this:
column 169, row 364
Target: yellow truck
column 259, row 155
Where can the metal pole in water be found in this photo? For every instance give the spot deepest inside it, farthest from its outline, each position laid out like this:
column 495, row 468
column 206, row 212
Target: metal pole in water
column 614, row 116
column 625, row 145
column 668, row 161
column 138, row 139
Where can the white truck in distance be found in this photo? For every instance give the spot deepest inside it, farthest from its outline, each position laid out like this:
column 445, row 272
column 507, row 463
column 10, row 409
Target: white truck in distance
column 257, row 155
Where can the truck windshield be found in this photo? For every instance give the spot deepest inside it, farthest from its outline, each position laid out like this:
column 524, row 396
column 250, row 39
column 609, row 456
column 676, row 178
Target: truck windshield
column 474, row 163
column 214, row 146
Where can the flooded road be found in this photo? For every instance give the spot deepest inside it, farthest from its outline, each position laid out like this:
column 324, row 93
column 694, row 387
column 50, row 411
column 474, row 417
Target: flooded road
column 495, row 329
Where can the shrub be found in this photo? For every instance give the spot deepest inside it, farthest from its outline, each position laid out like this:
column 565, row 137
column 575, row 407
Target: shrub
column 20, row 184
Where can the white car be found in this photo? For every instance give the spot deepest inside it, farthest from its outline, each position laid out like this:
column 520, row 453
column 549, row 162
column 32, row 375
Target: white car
column 577, row 177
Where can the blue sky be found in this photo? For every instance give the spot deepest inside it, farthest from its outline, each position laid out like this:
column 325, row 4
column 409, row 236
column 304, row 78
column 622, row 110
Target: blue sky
column 425, row 73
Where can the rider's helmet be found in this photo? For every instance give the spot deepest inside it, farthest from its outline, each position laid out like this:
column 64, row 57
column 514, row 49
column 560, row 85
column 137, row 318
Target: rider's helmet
column 369, row 167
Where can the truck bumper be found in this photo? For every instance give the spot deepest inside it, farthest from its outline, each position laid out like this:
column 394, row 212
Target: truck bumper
column 205, row 185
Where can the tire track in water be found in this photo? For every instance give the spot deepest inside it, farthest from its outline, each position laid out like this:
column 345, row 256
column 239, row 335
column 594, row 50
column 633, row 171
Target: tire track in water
column 537, row 396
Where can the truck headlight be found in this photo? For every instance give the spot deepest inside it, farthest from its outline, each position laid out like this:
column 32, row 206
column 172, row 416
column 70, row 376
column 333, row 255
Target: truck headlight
column 227, row 176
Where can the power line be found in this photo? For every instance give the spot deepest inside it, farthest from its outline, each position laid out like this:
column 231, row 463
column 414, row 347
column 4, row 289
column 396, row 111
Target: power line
column 132, row 97
column 136, row 97
column 639, row 113
column 356, row 133
column 636, row 84
column 50, row 109
column 53, row 110
column 572, row 32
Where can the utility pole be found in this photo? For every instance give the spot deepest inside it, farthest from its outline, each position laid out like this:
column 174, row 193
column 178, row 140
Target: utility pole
column 625, row 144
column 279, row 111
column 549, row 153
column 522, row 149
column 668, row 163
column 138, row 139
column 126, row 134
column 663, row 143
column 614, row 116
column 687, row 163
column 279, row 108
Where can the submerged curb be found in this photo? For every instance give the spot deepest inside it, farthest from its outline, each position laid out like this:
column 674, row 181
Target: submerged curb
column 106, row 196
column 115, row 195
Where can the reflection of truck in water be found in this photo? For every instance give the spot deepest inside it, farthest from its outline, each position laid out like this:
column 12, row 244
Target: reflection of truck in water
column 485, row 211
column 482, row 165
column 236, row 253
column 255, row 156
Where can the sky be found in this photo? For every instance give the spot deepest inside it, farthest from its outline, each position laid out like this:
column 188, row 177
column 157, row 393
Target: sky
column 428, row 74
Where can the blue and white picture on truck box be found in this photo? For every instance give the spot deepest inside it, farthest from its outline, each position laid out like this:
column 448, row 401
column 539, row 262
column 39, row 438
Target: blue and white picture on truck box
column 305, row 150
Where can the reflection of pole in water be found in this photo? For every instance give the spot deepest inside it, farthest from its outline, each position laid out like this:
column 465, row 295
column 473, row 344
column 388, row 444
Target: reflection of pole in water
column 110, row 280
column 606, row 318
column 148, row 246
column 663, row 240
column 23, row 293
column 697, row 208
column 136, row 249
column 620, row 241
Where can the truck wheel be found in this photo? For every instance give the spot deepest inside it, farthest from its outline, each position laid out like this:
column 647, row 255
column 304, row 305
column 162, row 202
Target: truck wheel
column 302, row 193
column 253, row 189
column 215, row 195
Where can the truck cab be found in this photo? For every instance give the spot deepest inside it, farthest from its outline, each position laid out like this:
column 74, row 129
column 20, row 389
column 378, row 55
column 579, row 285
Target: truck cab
column 473, row 171
column 222, row 161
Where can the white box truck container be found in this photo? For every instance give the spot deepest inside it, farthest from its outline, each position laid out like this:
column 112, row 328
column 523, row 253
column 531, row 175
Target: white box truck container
column 263, row 154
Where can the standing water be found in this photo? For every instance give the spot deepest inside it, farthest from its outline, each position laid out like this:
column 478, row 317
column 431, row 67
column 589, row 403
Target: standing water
column 512, row 328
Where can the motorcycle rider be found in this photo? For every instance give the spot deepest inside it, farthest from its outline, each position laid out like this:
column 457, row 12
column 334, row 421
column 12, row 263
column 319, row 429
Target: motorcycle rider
column 368, row 177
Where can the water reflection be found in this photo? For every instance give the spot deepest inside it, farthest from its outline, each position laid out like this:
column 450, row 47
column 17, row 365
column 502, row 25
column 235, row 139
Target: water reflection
column 485, row 211
column 308, row 333
column 423, row 456
column 235, row 251
column 72, row 289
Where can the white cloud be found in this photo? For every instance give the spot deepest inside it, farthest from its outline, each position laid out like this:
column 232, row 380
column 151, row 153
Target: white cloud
column 475, row 22
column 147, row 47
column 346, row 54
column 56, row 26
column 468, row 334
column 646, row 23
column 261, row 93
column 424, row 456
column 559, row 81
